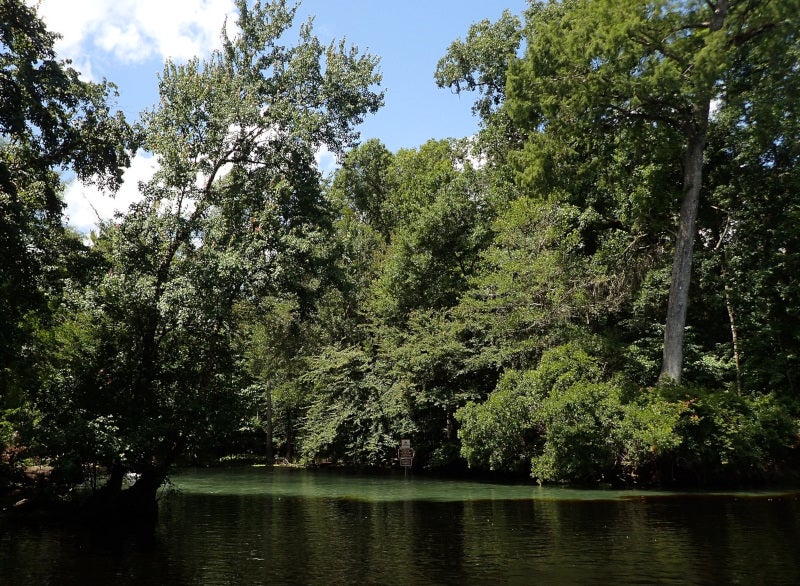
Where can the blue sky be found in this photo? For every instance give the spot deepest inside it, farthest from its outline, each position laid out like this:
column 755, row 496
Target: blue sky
column 127, row 41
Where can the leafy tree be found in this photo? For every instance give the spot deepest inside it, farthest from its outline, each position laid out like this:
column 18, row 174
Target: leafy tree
column 751, row 231
column 234, row 213
column 356, row 412
column 416, row 176
column 539, row 286
column 595, row 66
column 479, row 63
column 403, row 359
column 363, row 185
column 277, row 339
column 433, row 253
column 500, row 433
column 50, row 120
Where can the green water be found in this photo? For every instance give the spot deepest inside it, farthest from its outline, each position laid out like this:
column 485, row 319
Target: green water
column 259, row 526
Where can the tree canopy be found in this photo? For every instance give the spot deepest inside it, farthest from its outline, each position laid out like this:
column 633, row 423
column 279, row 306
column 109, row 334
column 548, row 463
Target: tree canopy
column 597, row 287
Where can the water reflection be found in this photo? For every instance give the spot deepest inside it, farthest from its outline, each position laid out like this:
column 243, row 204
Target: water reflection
column 254, row 527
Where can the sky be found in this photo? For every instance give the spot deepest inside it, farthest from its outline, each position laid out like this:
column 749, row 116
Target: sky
column 127, row 42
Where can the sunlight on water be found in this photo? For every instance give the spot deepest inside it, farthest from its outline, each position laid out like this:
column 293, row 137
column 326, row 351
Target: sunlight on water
column 290, row 482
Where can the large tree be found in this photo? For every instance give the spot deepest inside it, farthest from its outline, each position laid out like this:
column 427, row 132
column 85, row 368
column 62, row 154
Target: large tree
column 51, row 121
column 654, row 69
column 234, row 212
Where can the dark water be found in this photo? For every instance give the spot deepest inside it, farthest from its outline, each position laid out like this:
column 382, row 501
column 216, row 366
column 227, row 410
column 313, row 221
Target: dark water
column 258, row 526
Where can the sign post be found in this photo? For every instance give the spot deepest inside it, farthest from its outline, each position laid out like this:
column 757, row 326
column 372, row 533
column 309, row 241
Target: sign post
column 405, row 454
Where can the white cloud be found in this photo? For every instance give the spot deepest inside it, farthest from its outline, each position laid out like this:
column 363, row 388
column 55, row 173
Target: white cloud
column 86, row 204
column 326, row 160
column 136, row 30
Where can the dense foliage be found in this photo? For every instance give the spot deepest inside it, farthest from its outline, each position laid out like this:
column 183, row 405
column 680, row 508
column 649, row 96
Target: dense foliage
column 598, row 287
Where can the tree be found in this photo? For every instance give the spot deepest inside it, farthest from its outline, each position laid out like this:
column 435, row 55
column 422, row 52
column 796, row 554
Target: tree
column 753, row 174
column 362, row 184
column 233, row 213
column 277, row 340
column 442, row 224
column 570, row 421
column 601, row 66
column 412, row 225
column 51, row 122
column 479, row 63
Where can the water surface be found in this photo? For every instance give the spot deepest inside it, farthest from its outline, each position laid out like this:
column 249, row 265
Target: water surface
column 260, row 526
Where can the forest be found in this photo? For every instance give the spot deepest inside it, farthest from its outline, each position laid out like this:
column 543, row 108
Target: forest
column 599, row 287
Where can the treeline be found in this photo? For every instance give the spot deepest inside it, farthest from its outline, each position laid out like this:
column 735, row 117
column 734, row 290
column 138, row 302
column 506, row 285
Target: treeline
column 600, row 286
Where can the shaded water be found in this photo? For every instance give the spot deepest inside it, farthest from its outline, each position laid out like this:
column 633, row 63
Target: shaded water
column 258, row 526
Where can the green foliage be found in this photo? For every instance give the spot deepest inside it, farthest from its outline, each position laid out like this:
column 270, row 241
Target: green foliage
column 412, row 225
column 498, row 299
column 537, row 285
column 647, row 437
column 731, row 438
column 570, row 422
column 501, row 433
column 50, row 120
column 480, row 62
column 595, row 71
column 751, row 254
column 357, row 414
column 145, row 366
column 15, row 424
column 606, row 110
column 432, row 255
column 363, row 184
column 580, row 421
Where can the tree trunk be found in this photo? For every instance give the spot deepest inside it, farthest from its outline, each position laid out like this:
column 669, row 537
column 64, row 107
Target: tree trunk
column 734, row 331
column 139, row 502
column 727, row 292
column 696, row 132
column 672, row 365
column 113, row 485
column 451, row 425
column 289, row 436
column 268, row 425
column 135, row 507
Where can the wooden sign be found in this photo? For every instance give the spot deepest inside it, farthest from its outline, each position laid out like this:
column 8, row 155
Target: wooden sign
column 405, row 454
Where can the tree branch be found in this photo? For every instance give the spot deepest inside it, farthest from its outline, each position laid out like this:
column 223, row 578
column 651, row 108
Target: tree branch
column 742, row 38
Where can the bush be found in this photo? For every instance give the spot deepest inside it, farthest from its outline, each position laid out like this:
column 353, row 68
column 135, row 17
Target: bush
column 570, row 423
column 500, row 434
column 729, row 438
column 580, row 424
column 575, row 423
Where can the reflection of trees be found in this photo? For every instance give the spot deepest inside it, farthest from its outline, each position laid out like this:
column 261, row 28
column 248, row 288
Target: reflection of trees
column 252, row 538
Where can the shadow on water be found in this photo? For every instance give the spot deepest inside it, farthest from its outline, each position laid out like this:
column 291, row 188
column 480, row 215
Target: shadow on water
column 287, row 526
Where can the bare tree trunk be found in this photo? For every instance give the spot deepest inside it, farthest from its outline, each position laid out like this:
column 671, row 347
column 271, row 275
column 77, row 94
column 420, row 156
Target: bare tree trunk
column 289, row 436
column 451, row 425
column 726, row 288
column 672, row 365
column 734, row 332
column 270, row 455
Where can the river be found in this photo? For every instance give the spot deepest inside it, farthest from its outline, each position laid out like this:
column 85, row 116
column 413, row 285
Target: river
column 287, row 526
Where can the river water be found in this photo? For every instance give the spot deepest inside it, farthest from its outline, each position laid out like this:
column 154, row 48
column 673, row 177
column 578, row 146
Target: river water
column 286, row 526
